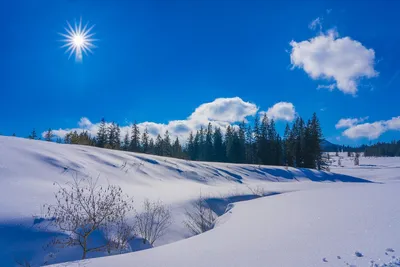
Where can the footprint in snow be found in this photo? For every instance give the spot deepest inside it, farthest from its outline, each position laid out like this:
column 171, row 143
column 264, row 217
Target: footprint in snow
column 389, row 250
column 338, row 257
column 358, row 254
column 324, row 260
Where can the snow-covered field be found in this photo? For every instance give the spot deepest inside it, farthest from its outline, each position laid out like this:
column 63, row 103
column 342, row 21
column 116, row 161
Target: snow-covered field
column 316, row 219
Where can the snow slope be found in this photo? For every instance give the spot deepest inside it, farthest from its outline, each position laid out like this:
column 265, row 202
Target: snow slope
column 306, row 228
column 29, row 168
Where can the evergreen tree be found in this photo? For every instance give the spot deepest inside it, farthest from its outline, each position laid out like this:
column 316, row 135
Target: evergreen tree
column 166, row 145
column 151, row 149
column 177, row 149
column 249, row 146
column 241, row 157
column 208, row 145
column 158, row 146
column 48, row 135
column 229, row 143
column 102, row 134
column 191, row 147
column 145, row 141
column 126, row 142
column 135, row 138
column 33, row 135
column 201, row 144
column 218, row 146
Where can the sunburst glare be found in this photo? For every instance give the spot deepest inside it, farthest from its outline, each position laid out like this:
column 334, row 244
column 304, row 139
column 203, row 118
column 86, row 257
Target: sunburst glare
column 78, row 40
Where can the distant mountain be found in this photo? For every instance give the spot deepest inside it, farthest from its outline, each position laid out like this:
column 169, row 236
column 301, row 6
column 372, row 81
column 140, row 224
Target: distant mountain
column 329, row 147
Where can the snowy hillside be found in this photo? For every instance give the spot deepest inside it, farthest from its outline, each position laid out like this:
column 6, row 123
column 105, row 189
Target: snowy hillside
column 309, row 218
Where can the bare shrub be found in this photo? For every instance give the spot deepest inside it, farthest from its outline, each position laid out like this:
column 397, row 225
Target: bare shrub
column 153, row 222
column 200, row 218
column 84, row 207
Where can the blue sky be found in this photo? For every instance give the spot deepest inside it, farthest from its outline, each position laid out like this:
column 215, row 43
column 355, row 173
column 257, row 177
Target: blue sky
column 159, row 61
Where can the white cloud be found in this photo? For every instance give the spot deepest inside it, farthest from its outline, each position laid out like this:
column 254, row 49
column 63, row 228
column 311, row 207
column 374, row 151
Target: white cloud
column 346, row 123
column 329, row 57
column 224, row 109
column 316, row 23
column 368, row 130
column 84, row 122
column 221, row 112
column 328, row 11
column 281, row 111
column 372, row 130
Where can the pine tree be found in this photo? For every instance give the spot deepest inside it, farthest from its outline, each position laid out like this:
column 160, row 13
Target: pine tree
column 135, row 138
column 208, row 145
column 249, row 146
column 151, row 149
column 201, row 144
column 158, row 146
column 191, row 147
column 177, row 149
column 33, row 135
column 102, row 134
column 218, row 146
column 166, row 145
column 242, row 143
column 288, row 146
column 229, row 143
column 126, row 142
column 145, row 141
column 48, row 135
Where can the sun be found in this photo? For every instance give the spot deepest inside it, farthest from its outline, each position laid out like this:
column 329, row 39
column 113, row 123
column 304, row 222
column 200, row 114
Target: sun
column 78, row 40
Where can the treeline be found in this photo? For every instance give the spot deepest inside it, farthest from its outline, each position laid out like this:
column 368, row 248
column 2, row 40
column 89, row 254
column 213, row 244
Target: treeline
column 383, row 149
column 259, row 143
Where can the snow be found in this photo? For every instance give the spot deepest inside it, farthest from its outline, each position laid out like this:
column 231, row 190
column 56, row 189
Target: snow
column 308, row 218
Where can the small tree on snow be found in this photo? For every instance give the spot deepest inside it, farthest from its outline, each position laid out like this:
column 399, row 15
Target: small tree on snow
column 357, row 159
column 200, row 218
column 153, row 222
column 48, row 135
column 83, row 207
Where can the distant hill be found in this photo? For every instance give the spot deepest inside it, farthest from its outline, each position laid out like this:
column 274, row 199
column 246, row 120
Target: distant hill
column 329, row 147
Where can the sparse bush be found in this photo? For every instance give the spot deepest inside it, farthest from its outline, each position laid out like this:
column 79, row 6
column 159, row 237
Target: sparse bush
column 153, row 222
column 84, row 207
column 200, row 218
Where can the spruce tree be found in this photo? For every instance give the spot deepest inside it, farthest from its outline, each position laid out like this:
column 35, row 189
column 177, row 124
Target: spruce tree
column 218, row 146
column 158, row 146
column 249, row 146
column 135, row 138
column 151, row 149
column 33, row 135
column 242, row 143
column 177, row 149
column 145, row 141
column 208, row 145
column 191, row 147
column 102, row 134
column 48, row 135
column 126, row 142
column 166, row 145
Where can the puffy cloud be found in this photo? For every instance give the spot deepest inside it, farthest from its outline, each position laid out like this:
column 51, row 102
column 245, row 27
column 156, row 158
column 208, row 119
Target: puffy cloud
column 346, row 123
column 372, row 130
column 368, row 130
column 281, row 111
column 84, row 122
column 327, row 56
column 224, row 109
